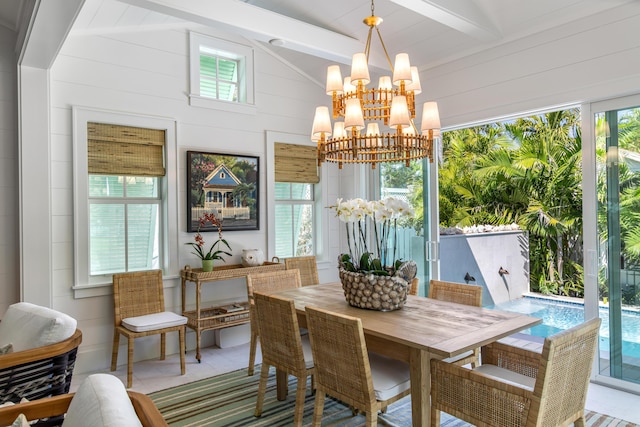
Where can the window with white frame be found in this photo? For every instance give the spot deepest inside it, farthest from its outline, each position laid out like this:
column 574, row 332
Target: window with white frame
column 296, row 180
column 294, row 214
column 121, row 198
column 220, row 70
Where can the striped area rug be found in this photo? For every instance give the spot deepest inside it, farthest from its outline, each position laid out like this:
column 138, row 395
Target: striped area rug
column 230, row 399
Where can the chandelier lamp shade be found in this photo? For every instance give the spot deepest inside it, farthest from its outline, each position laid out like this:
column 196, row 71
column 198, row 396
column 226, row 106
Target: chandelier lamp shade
column 360, row 113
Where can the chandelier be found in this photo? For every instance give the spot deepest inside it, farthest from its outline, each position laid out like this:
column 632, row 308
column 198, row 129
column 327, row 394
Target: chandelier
column 359, row 111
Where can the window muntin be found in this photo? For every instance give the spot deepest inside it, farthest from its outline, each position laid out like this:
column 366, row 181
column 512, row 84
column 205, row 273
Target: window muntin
column 221, row 70
column 124, row 224
column 294, row 214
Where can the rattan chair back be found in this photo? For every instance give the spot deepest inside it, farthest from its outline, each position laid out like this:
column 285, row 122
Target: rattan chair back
column 138, row 294
column 308, row 268
column 267, row 282
column 461, row 294
column 281, row 346
column 456, row 292
column 554, row 394
column 342, row 364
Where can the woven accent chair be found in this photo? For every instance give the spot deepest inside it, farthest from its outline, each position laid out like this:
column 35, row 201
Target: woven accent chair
column 45, row 345
column 461, row 294
column 139, row 312
column 282, row 347
column 308, row 268
column 270, row 281
column 518, row 387
column 367, row 382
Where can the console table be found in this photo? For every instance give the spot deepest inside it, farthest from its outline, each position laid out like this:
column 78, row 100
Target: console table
column 218, row 317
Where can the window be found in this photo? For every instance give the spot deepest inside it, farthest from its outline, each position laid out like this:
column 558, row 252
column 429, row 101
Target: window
column 295, row 176
column 122, row 194
column 221, row 74
column 124, row 219
column 294, row 219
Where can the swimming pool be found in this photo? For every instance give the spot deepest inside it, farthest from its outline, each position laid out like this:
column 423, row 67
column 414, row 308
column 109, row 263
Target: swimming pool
column 558, row 316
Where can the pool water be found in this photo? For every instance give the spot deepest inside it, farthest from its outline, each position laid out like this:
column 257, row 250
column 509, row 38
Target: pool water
column 558, row 316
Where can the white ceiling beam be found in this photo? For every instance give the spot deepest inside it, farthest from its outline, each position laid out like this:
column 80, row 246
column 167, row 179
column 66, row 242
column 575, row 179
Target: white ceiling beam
column 461, row 15
column 46, row 31
column 259, row 24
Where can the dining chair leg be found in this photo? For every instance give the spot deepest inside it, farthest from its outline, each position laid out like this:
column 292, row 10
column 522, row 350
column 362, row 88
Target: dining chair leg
column 163, row 346
column 301, row 392
column 182, row 349
column 435, row 418
column 130, row 346
column 252, row 352
column 114, row 350
column 262, row 388
column 318, row 408
column 372, row 419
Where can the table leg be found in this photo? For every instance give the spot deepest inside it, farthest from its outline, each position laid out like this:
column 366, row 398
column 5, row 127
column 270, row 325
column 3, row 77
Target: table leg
column 282, row 385
column 420, row 372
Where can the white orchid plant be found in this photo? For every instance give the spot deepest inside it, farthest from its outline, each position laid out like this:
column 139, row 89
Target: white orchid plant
column 372, row 233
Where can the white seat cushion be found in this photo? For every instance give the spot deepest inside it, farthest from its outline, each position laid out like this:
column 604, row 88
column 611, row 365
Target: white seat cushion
column 101, row 401
column 506, row 375
column 149, row 322
column 28, row 326
column 390, row 377
column 306, row 351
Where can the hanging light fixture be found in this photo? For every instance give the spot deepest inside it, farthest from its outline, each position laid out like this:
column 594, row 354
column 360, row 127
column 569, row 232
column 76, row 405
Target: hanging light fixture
column 359, row 113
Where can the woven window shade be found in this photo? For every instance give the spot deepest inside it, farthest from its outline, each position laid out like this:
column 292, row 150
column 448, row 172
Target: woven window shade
column 125, row 150
column 296, row 163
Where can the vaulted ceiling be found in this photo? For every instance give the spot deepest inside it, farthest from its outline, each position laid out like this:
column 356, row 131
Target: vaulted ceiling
column 306, row 34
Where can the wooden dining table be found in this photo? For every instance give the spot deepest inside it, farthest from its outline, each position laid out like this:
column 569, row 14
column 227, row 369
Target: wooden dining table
column 423, row 329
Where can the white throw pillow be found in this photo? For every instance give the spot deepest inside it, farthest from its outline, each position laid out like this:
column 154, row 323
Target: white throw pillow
column 21, row 421
column 28, row 326
column 101, row 401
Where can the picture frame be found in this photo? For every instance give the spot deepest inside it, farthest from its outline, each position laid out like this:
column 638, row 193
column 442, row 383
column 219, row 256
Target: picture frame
column 227, row 185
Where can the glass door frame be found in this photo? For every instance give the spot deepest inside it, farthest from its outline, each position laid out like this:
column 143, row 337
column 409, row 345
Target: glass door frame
column 590, row 209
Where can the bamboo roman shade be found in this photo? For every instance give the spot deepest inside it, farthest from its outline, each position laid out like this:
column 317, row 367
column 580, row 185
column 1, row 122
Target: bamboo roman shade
column 296, row 163
column 125, row 150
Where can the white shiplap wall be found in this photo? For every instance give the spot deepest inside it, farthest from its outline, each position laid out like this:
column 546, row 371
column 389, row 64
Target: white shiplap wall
column 9, row 240
column 147, row 73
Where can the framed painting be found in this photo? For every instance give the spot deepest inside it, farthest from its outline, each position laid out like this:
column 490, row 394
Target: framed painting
column 226, row 185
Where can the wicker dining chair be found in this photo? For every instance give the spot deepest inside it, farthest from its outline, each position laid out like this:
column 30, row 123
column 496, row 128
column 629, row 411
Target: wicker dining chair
column 518, row 387
column 461, row 294
column 414, row 286
column 308, row 268
column 367, row 382
column 282, row 347
column 139, row 312
column 270, row 281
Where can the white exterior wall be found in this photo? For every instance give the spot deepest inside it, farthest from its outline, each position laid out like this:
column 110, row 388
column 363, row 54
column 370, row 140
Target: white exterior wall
column 146, row 73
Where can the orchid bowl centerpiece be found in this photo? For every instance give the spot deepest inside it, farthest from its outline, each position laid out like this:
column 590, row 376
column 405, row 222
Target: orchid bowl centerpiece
column 217, row 250
column 372, row 275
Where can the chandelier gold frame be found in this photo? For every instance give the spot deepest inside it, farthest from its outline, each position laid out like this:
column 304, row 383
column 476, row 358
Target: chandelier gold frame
column 393, row 107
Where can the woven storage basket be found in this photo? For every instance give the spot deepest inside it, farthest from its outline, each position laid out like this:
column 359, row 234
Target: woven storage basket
column 382, row 293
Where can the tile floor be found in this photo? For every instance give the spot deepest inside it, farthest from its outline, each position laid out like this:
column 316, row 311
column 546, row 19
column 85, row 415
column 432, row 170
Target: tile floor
column 153, row 375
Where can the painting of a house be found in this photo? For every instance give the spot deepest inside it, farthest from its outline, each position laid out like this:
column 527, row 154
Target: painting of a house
column 226, row 185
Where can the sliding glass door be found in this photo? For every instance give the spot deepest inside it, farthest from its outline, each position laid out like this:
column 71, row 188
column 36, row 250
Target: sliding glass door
column 616, row 132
